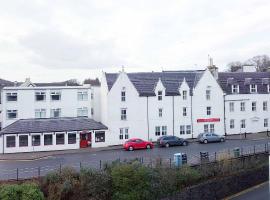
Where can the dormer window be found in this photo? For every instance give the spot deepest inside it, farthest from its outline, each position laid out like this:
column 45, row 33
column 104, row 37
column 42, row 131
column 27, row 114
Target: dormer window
column 253, row 88
column 235, row 89
column 159, row 95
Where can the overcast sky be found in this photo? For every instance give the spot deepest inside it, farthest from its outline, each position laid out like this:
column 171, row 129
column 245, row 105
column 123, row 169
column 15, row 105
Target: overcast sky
column 54, row 40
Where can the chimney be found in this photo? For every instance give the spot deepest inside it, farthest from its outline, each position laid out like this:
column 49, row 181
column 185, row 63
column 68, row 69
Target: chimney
column 212, row 68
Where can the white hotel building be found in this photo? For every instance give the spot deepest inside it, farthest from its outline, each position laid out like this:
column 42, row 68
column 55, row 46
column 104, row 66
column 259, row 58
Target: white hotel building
column 125, row 105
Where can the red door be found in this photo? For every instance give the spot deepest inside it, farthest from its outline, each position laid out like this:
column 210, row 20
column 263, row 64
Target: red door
column 85, row 139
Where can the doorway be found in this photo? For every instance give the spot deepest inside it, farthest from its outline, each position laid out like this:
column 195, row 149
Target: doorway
column 85, row 139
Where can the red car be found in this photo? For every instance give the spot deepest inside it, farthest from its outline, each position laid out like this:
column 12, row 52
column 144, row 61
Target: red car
column 136, row 143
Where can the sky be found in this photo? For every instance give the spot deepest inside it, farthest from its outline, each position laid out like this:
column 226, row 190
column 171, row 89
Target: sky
column 56, row 40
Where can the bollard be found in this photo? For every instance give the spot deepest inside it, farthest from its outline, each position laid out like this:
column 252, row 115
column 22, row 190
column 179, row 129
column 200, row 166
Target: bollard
column 17, row 174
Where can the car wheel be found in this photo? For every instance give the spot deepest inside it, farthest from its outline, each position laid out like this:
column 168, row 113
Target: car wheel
column 148, row 146
column 130, row 148
column 184, row 143
column 222, row 140
column 167, row 145
column 205, row 141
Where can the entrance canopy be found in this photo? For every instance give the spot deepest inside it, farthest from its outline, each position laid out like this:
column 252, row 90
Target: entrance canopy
column 52, row 125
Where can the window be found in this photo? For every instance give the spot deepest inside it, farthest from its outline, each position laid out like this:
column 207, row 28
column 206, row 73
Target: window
column 231, row 106
column 235, row 89
column 12, row 114
column 60, row 138
column 55, row 113
column 188, row 129
column 242, row 106
column 207, row 94
column 265, row 107
column 48, row 139
column 253, row 88
column 212, row 128
column 92, row 95
column 243, row 123
column 92, row 111
column 11, row 96
column 164, row 130
column 182, row 130
column 11, row 141
column 40, row 96
column 184, row 111
column 205, row 126
column 208, row 110
column 122, row 131
column 35, row 140
column 160, row 112
column 82, row 96
column 123, row 96
column 159, row 95
column 265, row 123
column 100, row 136
column 157, row 133
column 72, row 138
column 82, row 112
column 232, row 124
column 123, row 114
column 56, row 96
column 40, row 113
column 23, row 140
column 253, row 106
column 184, row 95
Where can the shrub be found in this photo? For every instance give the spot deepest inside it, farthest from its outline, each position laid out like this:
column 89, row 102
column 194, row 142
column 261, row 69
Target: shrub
column 131, row 182
column 26, row 191
column 187, row 176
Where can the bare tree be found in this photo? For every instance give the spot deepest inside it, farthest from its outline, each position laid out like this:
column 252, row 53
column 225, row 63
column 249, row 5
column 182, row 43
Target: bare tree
column 234, row 66
column 262, row 62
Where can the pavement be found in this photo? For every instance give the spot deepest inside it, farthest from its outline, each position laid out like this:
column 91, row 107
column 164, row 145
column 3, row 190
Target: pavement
column 42, row 155
column 258, row 192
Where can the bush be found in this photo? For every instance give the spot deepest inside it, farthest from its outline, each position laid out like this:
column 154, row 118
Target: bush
column 26, row 191
column 131, row 182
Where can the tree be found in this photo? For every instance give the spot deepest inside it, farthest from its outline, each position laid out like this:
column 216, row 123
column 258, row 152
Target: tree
column 235, row 66
column 262, row 62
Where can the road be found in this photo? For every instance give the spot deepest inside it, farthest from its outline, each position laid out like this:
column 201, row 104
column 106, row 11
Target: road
column 8, row 169
column 260, row 192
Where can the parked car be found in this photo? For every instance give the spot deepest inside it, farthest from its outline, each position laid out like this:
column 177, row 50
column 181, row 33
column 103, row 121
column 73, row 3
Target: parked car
column 210, row 137
column 167, row 141
column 137, row 143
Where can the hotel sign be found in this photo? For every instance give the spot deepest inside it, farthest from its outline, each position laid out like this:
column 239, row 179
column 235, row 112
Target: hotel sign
column 209, row 120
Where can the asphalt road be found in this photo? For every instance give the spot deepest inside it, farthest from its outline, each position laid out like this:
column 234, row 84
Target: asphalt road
column 260, row 192
column 8, row 169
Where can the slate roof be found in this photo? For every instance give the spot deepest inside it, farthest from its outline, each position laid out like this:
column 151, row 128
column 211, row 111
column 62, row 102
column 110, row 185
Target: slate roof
column 64, row 83
column 145, row 82
column 4, row 83
column 244, row 79
column 52, row 125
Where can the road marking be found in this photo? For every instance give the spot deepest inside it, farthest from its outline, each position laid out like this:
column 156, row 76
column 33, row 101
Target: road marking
column 246, row 191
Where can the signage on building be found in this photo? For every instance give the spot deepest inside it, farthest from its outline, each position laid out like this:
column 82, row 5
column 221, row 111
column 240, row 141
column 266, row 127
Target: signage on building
column 209, row 120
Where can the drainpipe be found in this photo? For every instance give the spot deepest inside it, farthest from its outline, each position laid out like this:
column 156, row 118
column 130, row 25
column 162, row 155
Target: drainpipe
column 191, row 115
column 224, row 114
column 173, row 112
column 3, row 143
column 147, row 114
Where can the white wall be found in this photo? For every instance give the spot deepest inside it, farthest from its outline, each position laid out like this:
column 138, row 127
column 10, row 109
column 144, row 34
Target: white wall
column 199, row 104
column 96, row 103
column 249, row 115
column 26, row 103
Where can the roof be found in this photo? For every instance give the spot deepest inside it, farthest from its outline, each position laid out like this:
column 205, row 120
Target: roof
column 52, row 125
column 92, row 82
column 244, row 79
column 4, row 83
column 145, row 82
column 63, row 83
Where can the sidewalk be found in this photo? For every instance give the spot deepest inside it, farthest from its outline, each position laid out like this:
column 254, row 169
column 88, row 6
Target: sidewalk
column 249, row 136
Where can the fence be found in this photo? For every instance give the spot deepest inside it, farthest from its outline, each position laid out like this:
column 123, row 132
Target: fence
column 192, row 160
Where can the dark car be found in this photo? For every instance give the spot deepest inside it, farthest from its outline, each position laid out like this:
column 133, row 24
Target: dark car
column 167, row 141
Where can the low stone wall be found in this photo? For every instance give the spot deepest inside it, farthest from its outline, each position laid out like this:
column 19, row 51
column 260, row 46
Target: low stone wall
column 224, row 186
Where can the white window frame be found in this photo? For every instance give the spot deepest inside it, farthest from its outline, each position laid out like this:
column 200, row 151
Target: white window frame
column 208, row 110
column 243, row 123
column 243, row 106
column 253, row 88
column 11, row 94
column 40, row 113
column 157, row 131
column 52, row 93
column 235, row 89
column 82, row 112
column 182, row 130
column 254, row 106
column 184, row 93
column 164, row 130
column 11, row 111
column 43, row 93
column 160, row 95
column 212, row 128
column 123, row 95
column 53, row 111
column 208, row 94
column 265, row 106
column 265, row 122
column 160, row 112
column 232, row 124
column 82, row 95
column 123, row 113
column 188, row 129
column 184, row 111
column 206, row 128
column 231, row 106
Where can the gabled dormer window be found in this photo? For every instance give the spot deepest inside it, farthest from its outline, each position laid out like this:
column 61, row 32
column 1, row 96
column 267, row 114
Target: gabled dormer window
column 253, row 88
column 235, row 89
column 159, row 95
